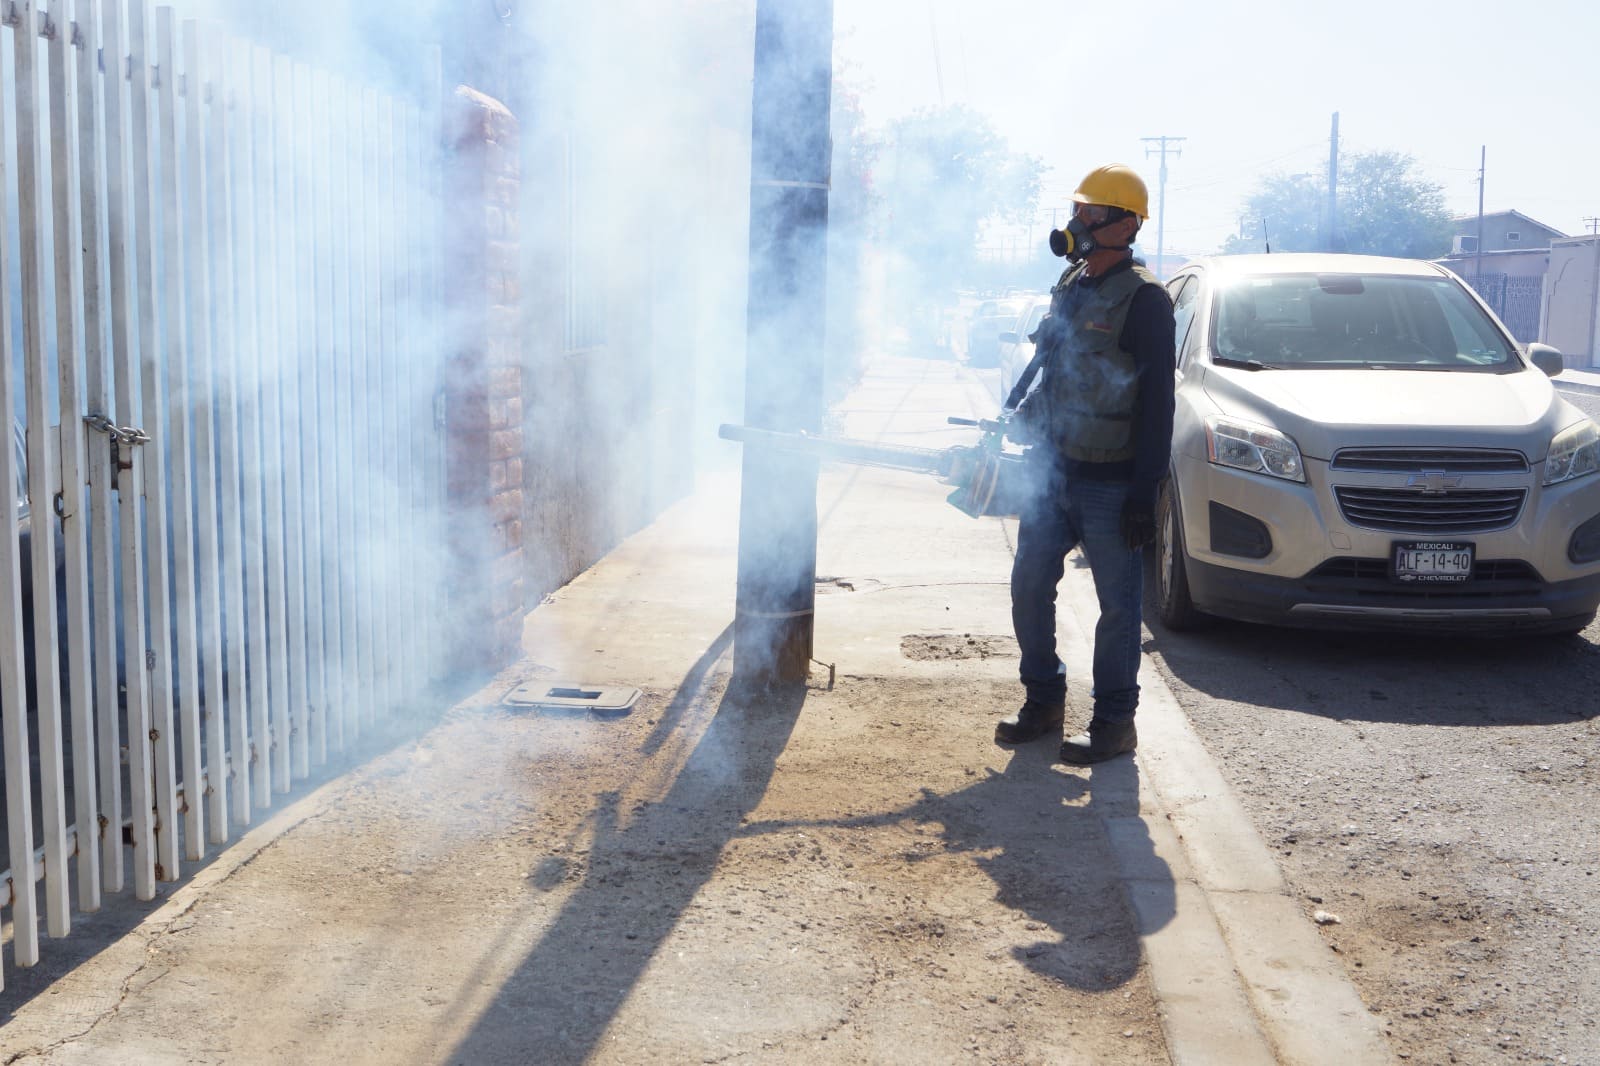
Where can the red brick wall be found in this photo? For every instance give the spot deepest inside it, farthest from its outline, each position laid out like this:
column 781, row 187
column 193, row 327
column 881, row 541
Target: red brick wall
column 484, row 384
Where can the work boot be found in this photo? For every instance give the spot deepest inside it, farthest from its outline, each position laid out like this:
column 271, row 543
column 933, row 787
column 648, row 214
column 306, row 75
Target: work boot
column 1104, row 740
column 1031, row 722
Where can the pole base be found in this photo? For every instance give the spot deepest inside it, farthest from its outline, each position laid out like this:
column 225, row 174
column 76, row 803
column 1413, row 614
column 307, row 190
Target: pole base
column 770, row 651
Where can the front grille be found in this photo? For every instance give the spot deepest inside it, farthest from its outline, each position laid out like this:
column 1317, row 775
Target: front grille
column 1421, row 460
column 1484, row 571
column 1411, row 511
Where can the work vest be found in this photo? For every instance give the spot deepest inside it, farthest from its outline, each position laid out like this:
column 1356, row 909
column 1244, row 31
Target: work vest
column 1091, row 385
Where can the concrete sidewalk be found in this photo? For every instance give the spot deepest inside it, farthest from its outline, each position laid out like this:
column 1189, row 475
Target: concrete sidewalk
column 852, row 872
column 1584, row 379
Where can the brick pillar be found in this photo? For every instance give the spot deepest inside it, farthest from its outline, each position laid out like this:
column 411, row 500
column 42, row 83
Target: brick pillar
column 484, row 383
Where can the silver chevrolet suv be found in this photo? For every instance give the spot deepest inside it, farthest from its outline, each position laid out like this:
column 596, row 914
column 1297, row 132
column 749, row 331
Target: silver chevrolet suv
column 1359, row 443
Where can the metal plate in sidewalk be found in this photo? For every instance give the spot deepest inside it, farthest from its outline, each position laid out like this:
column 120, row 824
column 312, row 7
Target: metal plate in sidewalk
column 544, row 695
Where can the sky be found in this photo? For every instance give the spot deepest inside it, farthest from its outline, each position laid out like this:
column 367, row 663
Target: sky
column 1253, row 87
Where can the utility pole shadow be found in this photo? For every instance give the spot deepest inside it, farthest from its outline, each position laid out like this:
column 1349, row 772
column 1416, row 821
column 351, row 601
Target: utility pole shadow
column 583, row 969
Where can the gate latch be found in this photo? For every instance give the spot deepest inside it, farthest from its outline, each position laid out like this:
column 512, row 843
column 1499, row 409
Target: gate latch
column 122, row 438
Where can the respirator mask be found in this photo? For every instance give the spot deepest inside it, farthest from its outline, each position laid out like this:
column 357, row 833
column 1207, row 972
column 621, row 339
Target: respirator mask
column 1077, row 240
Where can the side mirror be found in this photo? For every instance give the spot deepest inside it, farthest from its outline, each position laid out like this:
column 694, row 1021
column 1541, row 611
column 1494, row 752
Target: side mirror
column 1546, row 358
column 1008, row 337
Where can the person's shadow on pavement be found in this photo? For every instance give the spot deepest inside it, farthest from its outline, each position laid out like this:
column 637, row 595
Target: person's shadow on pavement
column 1057, row 846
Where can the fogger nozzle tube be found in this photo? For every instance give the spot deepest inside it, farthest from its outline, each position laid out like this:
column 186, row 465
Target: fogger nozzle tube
column 869, row 453
column 985, row 475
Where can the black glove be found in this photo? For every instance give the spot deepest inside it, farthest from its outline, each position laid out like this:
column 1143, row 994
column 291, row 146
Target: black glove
column 1018, row 427
column 1138, row 522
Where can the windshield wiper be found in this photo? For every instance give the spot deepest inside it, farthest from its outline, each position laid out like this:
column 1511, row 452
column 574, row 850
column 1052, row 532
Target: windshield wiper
column 1243, row 364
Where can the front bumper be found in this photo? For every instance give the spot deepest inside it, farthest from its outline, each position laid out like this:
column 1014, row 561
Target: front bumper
column 1323, row 571
column 1489, row 606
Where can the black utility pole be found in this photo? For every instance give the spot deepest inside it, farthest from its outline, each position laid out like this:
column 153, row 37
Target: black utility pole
column 1161, row 144
column 790, row 165
column 1477, row 262
column 1333, row 243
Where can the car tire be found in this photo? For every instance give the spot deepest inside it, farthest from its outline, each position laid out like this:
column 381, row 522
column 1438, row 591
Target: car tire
column 1173, row 605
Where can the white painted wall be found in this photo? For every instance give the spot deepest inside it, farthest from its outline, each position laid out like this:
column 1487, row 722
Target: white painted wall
column 1571, row 320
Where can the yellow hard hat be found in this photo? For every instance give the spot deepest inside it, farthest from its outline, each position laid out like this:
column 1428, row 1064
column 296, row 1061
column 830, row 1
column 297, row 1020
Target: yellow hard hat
column 1115, row 185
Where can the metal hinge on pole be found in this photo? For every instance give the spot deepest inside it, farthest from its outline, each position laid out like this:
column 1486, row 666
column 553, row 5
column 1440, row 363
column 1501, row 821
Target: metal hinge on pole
column 122, row 437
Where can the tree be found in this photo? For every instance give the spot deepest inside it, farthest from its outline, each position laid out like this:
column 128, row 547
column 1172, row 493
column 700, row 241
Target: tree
column 1384, row 208
column 850, row 208
column 940, row 173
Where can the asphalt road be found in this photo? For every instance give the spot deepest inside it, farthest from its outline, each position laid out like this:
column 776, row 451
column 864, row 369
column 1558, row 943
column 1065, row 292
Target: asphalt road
column 1586, row 400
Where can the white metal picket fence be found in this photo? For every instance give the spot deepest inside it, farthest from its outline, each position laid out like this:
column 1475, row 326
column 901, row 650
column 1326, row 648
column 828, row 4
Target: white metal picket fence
column 217, row 284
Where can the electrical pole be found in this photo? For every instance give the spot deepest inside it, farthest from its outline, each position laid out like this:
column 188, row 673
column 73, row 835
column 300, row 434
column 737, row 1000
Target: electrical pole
column 790, row 164
column 1593, row 222
column 1477, row 262
column 1151, row 146
column 1332, row 244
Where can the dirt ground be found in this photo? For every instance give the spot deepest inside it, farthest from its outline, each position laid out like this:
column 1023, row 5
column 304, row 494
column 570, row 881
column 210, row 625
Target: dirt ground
column 713, row 876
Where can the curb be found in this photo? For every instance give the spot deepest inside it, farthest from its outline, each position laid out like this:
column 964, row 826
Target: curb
column 1585, row 387
column 1239, row 971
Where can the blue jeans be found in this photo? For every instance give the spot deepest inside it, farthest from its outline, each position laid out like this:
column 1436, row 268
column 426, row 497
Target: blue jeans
column 1056, row 518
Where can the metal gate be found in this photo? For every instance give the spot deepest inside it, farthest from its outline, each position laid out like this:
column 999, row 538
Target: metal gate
column 217, row 277
column 1517, row 300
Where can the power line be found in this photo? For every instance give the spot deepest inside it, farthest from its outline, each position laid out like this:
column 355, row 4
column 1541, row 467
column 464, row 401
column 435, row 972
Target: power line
column 1246, row 168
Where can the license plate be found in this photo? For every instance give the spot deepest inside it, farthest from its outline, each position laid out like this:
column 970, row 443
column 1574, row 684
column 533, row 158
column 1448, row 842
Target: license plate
column 1430, row 561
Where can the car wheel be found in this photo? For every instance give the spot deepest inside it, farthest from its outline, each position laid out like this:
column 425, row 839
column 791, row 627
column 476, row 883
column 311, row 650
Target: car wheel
column 1175, row 608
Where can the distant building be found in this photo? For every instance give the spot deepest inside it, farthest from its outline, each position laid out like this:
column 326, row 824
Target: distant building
column 1513, row 261
column 1503, row 231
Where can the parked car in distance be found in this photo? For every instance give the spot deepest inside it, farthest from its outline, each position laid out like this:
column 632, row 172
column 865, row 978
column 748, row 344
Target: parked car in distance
column 1016, row 350
column 989, row 318
column 1360, row 443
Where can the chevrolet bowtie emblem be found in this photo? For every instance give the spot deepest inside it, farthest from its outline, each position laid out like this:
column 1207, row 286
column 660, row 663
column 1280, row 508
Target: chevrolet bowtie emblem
column 1433, row 482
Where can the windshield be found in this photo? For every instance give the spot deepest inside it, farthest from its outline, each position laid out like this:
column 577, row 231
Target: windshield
column 1327, row 321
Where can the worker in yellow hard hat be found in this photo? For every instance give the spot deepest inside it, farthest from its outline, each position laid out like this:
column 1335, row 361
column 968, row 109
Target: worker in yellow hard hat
column 1120, row 195
column 1098, row 436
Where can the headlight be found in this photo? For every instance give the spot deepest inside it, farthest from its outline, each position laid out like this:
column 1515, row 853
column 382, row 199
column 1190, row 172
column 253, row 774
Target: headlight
column 1574, row 452
column 1256, row 448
